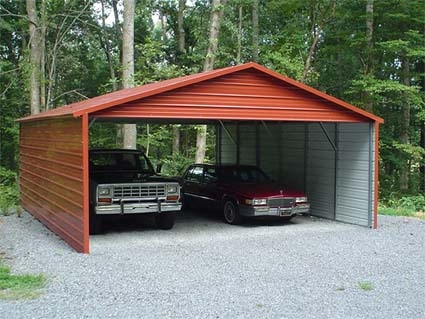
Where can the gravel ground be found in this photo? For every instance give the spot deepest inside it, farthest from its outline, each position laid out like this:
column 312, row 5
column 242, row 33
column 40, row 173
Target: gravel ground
column 203, row 268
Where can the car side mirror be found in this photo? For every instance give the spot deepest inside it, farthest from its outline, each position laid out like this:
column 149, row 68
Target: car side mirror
column 158, row 168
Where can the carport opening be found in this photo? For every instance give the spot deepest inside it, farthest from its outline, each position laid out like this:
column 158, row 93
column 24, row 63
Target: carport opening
column 330, row 162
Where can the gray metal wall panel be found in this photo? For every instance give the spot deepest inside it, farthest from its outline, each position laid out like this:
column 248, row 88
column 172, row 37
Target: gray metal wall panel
column 321, row 170
column 270, row 149
column 228, row 147
column 247, row 144
column 353, row 180
column 293, row 155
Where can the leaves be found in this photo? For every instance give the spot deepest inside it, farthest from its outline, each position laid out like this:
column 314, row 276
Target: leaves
column 384, row 73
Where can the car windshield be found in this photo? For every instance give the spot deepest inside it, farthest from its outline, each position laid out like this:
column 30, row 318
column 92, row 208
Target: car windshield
column 243, row 174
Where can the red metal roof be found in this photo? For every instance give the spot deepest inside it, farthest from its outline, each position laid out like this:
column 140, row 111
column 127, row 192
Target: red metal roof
column 256, row 102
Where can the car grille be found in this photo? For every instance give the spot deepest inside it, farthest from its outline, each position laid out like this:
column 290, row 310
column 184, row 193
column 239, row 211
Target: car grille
column 141, row 191
column 281, row 202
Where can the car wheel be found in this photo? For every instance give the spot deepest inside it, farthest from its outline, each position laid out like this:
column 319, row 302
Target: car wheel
column 231, row 213
column 165, row 220
column 95, row 225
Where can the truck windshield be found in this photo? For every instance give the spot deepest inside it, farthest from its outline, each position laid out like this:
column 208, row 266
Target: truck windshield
column 111, row 161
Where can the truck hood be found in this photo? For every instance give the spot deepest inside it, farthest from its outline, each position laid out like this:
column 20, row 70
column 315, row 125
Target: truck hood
column 129, row 177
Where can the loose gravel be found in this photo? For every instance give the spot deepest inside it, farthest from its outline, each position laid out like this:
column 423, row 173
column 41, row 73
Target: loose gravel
column 204, row 268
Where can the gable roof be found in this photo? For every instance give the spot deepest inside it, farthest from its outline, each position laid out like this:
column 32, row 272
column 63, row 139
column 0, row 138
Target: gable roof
column 110, row 100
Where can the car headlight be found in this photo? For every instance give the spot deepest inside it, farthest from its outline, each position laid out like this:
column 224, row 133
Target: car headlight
column 301, row 199
column 256, row 201
column 172, row 189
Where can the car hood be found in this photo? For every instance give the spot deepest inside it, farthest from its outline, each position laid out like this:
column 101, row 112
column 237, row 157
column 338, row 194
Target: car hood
column 261, row 190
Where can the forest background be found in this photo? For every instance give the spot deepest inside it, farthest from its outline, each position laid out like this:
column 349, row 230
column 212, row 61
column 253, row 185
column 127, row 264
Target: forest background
column 370, row 53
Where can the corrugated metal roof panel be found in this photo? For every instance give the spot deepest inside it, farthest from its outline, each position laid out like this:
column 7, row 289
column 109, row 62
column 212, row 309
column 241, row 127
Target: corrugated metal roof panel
column 238, row 85
column 234, row 96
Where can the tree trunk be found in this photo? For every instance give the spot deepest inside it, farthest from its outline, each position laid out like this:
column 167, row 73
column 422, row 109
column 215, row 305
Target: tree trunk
column 176, row 139
column 238, row 56
column 369, row 67
column 201, row 144
column 420, row 67
column 106, row 46
column 217, row 12
column 43, row 101
column 182, row 40
column 129, row 130
column 255, row 31
column 307, row 64
column 405, row 126
column 35, row 56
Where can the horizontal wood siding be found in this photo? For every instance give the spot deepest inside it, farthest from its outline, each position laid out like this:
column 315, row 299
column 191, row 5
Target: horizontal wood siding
column 321, row 171
column 354, row 187
column 51, row 176
column 247, row 94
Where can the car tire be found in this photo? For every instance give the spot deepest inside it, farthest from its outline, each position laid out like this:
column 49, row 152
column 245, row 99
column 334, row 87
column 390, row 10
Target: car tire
column 231, row 213
column 165, row 220
column 95, row 225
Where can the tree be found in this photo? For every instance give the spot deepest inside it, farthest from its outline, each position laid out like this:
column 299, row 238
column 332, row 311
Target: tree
column 217, row 11
column 129, row 131
column 35, row 56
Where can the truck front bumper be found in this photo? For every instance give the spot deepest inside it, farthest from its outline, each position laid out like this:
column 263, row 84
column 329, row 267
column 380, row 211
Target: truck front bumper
column 137, row 208
column 252, row 211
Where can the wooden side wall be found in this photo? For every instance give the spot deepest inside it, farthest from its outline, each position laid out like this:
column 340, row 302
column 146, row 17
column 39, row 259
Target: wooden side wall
column 51, row 176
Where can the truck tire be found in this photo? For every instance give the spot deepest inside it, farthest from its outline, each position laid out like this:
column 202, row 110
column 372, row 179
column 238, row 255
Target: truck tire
column 165, row 220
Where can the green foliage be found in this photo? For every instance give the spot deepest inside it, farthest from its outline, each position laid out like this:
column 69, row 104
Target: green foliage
column 411, row 206
column 81, row 54
column 366, row 286
column 19, row 286
column 175, row 164
column 9, row 194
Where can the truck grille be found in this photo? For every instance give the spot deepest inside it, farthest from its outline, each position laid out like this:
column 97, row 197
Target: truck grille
column 139, row 191
column 281, row 202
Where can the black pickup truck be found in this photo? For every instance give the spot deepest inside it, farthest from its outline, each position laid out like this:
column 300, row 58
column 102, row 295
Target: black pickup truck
column 124, row 182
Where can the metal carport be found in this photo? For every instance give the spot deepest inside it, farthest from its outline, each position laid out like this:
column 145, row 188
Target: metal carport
column 259, row 113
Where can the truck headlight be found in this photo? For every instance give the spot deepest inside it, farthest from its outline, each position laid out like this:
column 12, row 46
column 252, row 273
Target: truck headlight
column 172, row 189
column 301, row 199
column 104, row 191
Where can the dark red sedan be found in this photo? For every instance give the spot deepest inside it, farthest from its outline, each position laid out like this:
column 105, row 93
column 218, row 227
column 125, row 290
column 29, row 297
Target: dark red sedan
column 239, row 191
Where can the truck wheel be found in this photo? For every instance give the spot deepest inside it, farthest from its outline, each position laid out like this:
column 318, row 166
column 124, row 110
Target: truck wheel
column 231, row 213
column 165, row 220
column 95, row 225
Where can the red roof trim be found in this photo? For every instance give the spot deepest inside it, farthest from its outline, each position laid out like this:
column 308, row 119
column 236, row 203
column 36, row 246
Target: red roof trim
column 106, row 101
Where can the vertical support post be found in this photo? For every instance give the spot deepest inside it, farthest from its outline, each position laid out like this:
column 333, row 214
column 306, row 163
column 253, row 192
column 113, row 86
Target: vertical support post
column 376, row 177
column 238, row 142
column 85, row 146
column 257, row 145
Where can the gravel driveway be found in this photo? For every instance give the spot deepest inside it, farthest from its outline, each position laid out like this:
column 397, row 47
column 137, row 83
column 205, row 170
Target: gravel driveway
column 203, row 268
